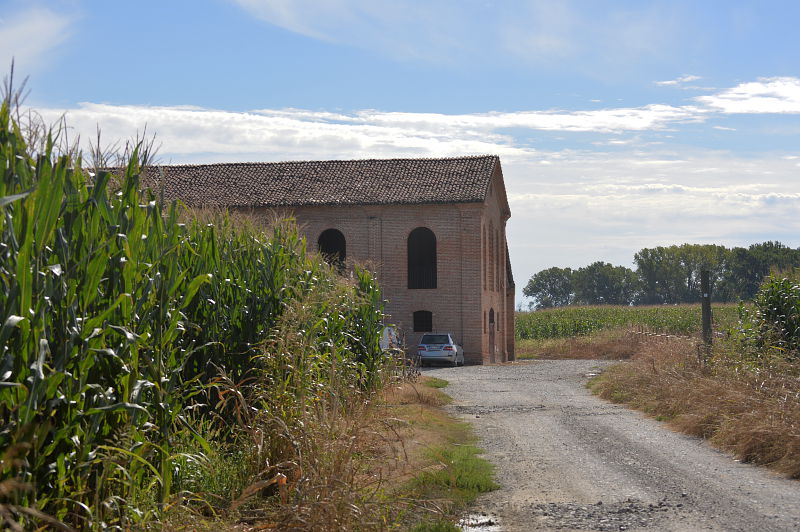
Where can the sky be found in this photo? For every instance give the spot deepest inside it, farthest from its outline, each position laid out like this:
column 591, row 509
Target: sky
column 620, row 124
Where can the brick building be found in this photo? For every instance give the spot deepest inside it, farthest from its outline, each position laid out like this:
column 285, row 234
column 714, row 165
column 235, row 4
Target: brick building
column 433, row 230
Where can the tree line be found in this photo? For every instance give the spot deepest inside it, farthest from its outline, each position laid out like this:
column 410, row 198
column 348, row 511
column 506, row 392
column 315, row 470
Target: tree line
column 664, row 275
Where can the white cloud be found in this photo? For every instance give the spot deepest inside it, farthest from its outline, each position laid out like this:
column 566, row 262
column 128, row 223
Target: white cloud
column 31, row 35
column 453, row 31
column 649, row 117
column 403, row 30
column 599, row 206
column 678, row 81
column 767, row 95
column 190, row 132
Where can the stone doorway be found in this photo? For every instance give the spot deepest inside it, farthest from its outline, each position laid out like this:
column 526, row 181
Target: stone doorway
column 491, row 337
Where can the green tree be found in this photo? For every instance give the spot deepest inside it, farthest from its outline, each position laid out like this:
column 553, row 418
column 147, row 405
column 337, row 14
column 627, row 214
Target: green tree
column 671, row 275
column 748, row 268
column 660, row 275
column 692, row 260
column 550, row 288
column 602, row 283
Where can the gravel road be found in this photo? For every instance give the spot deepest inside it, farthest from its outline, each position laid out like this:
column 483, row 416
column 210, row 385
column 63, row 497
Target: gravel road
column 569, row 461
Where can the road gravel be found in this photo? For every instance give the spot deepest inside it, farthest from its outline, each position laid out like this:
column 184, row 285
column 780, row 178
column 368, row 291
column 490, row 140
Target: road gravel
column 567, row 460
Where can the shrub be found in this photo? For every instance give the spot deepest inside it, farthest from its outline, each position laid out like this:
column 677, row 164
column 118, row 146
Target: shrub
column 772, row 325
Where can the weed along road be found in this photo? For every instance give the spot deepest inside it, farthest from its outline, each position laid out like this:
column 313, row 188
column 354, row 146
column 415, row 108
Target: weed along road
column 566, row 460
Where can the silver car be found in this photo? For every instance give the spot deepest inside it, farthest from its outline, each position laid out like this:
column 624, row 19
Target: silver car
column 440, row 347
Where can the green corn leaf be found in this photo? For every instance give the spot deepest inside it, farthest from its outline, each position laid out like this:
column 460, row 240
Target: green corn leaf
column 7, row 200
column 115, row 407
column 193, row 287
column 135, row 457
column 97, row 321
column 196, row 435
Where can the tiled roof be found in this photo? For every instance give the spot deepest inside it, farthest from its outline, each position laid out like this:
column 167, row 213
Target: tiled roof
column 359, row 182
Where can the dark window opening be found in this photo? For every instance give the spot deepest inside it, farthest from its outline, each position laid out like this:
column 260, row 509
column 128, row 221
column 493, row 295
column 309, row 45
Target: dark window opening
column 491, row 319
column 422, row 258
column 423, row 321
column 333, row 247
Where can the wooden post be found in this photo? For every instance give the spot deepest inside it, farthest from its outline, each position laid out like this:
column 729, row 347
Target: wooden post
column 705, row 289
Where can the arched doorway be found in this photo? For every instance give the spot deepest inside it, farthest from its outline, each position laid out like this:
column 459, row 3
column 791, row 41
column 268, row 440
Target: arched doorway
column 333, row 247
column 491, row 336
column 422, row 258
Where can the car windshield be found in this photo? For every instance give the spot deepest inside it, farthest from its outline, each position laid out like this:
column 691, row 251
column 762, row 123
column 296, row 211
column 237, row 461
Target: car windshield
column 435, row 339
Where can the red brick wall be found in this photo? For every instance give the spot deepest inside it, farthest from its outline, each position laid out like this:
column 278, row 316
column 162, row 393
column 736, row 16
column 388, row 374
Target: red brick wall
column 494, row 294
column 377, row 236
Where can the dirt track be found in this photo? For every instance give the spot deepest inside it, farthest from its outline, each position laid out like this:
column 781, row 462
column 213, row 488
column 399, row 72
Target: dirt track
column 569, row 461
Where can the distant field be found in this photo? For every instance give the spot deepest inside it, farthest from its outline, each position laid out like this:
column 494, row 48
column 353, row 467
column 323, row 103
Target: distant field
column 565, row 322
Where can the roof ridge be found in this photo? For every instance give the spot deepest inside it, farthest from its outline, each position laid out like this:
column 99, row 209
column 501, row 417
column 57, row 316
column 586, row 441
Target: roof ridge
column 320, row 161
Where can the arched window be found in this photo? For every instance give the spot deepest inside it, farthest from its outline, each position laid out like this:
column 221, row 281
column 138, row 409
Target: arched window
column 422, row 258
column 332, row 246
column 484, row 256
column 497, row 261
column 423, row 321
column 491, row 257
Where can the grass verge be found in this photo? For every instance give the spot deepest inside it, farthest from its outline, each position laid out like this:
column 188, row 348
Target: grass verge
column 610, row 344
column 445, row 470
column 751, row 412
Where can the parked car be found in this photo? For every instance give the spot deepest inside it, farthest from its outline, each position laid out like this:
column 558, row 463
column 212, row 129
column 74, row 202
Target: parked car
column 440, row 347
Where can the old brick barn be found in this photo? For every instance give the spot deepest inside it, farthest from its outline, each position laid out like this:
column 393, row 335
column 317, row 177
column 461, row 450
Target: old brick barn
column 433, row 230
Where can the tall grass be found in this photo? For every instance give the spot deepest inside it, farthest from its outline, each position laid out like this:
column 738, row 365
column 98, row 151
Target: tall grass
column 753, row 413
column 133, row 344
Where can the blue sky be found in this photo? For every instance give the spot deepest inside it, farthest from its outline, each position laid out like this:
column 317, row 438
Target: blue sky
column 620, row 124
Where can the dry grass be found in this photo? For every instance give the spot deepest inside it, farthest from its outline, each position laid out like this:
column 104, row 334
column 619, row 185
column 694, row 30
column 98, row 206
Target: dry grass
column 347, row 466
column 751, row 412
column 613, row 344
column 419, row 392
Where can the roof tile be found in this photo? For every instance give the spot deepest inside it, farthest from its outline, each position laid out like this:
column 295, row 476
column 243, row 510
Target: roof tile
column 357, row 182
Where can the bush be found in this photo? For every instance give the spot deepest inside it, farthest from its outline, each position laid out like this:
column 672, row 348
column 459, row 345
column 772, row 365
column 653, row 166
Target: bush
column 772, row 325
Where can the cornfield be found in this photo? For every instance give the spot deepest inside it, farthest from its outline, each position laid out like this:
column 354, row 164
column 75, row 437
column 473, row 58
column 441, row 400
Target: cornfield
column 772, row 324
column 125, row 334
column 565, row 322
